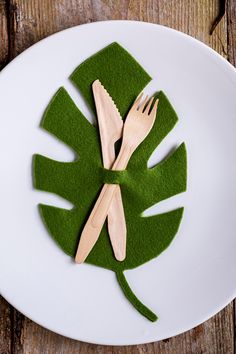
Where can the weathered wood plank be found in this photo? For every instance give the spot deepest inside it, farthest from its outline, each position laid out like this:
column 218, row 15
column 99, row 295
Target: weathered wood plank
column 3, row 34
column 17, row 324
column 231, row 30
column 35, row 19
column 234, row 326
column 5, row 327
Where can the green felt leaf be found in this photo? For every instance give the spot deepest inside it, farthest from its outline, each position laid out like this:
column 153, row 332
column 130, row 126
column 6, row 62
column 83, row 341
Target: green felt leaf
column 80, row 181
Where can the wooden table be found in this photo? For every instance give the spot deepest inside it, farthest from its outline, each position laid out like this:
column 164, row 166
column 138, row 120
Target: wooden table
column 24, row 22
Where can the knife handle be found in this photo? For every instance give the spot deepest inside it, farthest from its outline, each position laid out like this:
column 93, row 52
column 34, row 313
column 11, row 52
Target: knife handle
column 117, row 225
column 116, row 222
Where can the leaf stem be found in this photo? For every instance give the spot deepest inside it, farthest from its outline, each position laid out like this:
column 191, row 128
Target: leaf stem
column 133, row 299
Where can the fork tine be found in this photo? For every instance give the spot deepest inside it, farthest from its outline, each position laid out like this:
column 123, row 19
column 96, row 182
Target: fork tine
column 142, row 106
column 147, row 109
column 138, row 100
column 154, row 110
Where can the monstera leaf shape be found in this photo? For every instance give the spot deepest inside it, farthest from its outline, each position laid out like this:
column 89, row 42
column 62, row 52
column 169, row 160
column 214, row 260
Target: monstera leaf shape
column 80, row 181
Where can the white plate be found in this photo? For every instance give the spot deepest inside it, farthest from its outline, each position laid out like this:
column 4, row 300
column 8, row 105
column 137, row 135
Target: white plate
column 196, row 276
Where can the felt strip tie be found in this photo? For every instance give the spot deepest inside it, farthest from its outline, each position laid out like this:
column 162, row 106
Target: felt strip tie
column 114, row 177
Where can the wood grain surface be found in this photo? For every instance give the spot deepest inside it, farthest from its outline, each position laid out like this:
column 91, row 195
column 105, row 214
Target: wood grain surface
column 24, row 22
column 3, row 34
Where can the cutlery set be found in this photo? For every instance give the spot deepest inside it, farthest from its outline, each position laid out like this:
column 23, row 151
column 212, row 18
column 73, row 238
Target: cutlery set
column 133, row 131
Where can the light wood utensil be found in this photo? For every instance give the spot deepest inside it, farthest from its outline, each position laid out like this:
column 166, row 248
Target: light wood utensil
column 111, row 128
column 137, row 126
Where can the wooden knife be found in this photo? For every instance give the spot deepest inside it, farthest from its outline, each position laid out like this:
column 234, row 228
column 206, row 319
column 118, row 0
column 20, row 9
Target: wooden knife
column 110, row 128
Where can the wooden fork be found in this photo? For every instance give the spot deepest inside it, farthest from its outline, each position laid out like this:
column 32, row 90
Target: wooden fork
column 137, row 126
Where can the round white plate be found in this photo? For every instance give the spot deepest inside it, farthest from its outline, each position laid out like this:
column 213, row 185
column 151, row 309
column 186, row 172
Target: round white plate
column 196, row 276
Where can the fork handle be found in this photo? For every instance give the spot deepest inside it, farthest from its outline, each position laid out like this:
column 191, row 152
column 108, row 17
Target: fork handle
column 95, row 222
column 122, row 158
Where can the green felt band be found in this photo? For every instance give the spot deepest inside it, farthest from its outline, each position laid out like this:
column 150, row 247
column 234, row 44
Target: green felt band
column 114, row 177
